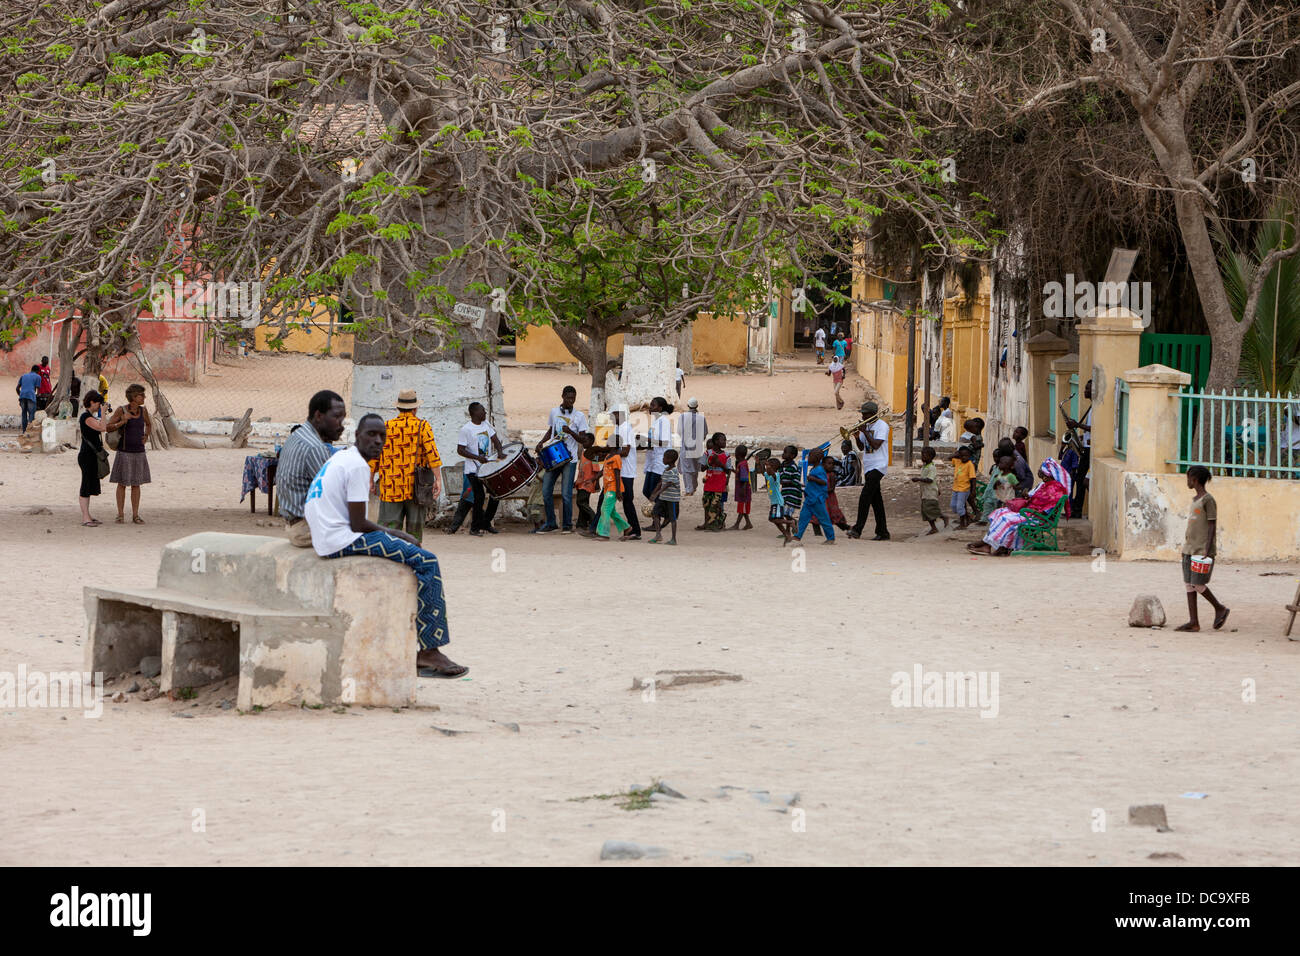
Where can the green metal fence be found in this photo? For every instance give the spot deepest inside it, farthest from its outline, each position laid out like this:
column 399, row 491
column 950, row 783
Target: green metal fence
column 1052, row 400
column 1121, row 418
column 1239, row 434
column 1187, row 353
column 1051, row 404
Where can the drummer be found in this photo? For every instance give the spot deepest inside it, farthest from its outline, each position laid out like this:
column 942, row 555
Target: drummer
column 475, row 439
column 567, row 423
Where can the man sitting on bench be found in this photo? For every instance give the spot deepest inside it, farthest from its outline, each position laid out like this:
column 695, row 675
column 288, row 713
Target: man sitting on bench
column 336, row 514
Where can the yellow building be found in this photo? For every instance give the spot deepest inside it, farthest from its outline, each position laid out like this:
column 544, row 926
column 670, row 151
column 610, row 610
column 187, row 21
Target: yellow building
column 316, row 334
column 715, row 340
column 960, row 344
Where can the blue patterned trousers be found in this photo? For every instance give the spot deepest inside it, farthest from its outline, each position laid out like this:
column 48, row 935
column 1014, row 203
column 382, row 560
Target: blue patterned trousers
column 431, row 608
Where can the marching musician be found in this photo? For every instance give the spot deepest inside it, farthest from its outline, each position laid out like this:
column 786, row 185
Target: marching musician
column 873, row 441
column 476, row 438
column 568, row 423
column 1083, row 428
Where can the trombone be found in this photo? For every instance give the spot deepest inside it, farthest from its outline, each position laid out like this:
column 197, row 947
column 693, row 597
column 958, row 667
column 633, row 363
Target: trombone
column 846, row 434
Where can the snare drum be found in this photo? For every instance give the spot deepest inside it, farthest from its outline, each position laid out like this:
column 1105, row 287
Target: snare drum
column 554, row 454
column 507, row 475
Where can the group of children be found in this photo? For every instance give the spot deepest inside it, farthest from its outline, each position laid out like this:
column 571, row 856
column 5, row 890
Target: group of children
column 599, row 472
column 794, row 501
column 1009, row 477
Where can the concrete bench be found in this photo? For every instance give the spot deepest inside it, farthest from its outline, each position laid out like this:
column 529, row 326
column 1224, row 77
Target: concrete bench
column 294, row 627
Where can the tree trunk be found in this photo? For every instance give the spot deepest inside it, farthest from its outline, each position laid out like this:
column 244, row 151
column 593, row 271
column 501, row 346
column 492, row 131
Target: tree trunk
column 170, row 434
column 1226, row 333
column 67, row 351
column 592, row 350
column 599, row 366
column 448, row 367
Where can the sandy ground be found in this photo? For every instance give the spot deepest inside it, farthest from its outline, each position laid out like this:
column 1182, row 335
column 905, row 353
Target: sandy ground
column 1091, row 715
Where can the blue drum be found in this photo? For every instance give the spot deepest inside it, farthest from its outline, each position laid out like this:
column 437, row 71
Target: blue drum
column 554, row 454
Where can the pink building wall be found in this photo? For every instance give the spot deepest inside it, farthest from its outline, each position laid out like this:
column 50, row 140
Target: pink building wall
column 173, row 348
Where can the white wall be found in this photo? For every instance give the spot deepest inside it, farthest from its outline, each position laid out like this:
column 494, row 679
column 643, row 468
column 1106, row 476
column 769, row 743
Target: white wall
column 1009, row 387
column 445, row 390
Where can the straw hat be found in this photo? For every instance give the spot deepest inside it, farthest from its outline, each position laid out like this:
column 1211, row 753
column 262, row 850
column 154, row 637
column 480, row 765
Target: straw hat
column 406, row 400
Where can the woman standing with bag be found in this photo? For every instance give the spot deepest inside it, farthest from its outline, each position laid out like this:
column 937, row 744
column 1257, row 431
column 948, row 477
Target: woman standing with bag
column 131, row 464
column 92, row 459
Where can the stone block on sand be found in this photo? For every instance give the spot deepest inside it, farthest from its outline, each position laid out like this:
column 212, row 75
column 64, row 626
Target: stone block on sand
column 1147, row 611
column 1148, row 815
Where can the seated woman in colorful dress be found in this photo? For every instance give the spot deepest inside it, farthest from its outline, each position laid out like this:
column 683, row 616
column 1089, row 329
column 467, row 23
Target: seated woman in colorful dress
column 1004, row 524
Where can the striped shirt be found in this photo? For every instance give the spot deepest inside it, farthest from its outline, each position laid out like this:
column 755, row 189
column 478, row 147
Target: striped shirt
column 301, row 457
column 846, row 472
column 671, row 484
column 791, row 485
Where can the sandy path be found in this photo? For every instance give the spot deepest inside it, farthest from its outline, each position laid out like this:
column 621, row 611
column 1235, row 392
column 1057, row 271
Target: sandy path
column 1092, row 714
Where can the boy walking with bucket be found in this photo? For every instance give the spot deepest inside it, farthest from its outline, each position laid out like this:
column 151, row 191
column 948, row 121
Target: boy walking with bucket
column 1199, row 549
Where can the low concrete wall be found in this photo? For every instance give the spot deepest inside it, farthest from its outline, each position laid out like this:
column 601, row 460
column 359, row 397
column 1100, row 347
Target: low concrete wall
column 1103, row 505
column 444, row 389
column 1259, row 518
column 1040, row 447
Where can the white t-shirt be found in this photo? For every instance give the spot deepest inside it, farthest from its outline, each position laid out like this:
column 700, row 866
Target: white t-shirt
column 819, row 338
column 345, row 477
column 680, row 374
column 478, row 439
column 625, row 437
column 573, row 419
column 660, row 430
column 1087, row 436
column 877, row 460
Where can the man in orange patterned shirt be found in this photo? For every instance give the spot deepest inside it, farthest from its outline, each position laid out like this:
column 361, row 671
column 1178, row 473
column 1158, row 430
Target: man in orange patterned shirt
column 409, row 445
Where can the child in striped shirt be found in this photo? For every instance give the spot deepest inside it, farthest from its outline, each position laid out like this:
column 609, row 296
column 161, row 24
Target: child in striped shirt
column 667, row 496
column 791, row 489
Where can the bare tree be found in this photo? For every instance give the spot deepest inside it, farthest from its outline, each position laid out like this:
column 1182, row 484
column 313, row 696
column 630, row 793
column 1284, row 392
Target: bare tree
column 1211, row 87
column 388, row 151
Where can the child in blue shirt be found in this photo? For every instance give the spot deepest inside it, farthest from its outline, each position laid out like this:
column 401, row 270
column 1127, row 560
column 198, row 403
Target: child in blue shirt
column 815, row 491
